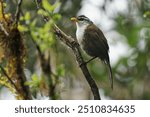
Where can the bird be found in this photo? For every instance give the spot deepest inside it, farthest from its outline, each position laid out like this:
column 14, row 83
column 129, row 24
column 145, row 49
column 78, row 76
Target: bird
column 92, row 41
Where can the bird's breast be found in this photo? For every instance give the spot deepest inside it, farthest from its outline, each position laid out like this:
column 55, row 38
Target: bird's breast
column 80, row 33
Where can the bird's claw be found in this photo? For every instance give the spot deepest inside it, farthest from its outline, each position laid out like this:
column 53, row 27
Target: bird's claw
column 81, row 64
column 75, row 44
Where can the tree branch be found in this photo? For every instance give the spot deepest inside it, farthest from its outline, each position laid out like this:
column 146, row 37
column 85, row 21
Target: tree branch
column 15, row 52
column 70, row 42
column 9, row 79
column 18, row 10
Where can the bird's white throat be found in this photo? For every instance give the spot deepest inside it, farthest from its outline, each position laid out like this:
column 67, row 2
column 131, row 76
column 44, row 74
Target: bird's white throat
column 80, row 31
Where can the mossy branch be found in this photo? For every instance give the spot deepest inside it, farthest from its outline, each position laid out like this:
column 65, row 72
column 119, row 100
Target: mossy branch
column 14, row 53
column 9, row 79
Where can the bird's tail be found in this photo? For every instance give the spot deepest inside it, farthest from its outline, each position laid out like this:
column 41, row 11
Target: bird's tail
column 110, row 74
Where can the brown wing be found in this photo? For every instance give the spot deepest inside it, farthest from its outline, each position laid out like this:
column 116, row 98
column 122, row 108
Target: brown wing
column 95, row 43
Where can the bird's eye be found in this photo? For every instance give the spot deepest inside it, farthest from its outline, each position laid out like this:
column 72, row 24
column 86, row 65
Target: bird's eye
column 81, row 19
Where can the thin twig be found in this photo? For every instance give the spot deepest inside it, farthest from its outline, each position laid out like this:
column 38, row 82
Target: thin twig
column 3, row 29
column 9, row 79
column 37, row 47
column 18, row 10
column 37, row 4
column 38, row 7
column 46, row 69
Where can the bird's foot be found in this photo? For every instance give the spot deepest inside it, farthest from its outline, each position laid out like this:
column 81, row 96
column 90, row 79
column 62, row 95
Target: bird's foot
column 85, row 63
column 81, row 64
column 75, row 44
column 90, row 60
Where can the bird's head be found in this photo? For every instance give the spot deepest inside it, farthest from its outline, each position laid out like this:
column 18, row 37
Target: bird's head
column 81, row 20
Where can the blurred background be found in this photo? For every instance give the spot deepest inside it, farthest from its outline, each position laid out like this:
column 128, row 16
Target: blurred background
column 126, row 25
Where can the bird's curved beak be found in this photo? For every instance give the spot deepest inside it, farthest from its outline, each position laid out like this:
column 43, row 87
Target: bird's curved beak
column 74, row 19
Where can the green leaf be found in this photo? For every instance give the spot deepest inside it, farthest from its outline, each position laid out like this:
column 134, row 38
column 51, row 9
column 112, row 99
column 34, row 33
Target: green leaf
column 56, row 5
column 50, row 8
column 47, row 6
column 42, row 12
column 56, row 16
column 22, row 18
column 22, row 28
column 33, row 23
column 35, row 82
column 60, row 71
column 35, row 78
column 27, row 16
